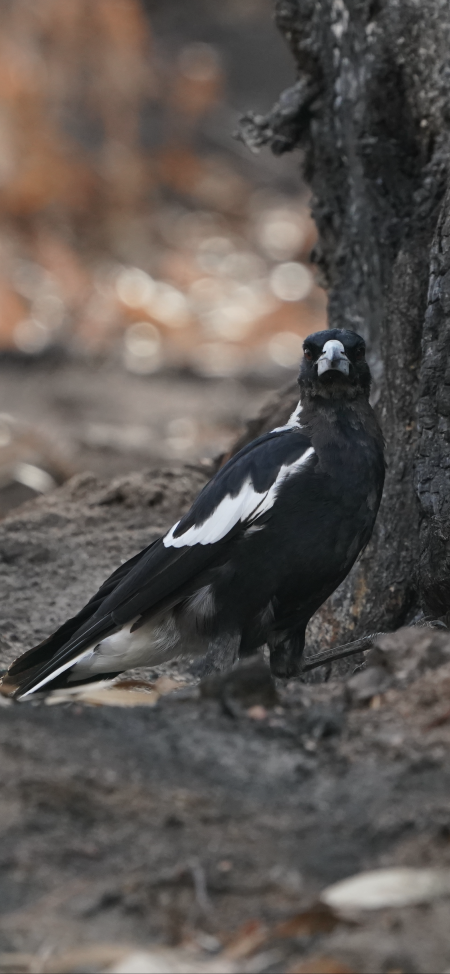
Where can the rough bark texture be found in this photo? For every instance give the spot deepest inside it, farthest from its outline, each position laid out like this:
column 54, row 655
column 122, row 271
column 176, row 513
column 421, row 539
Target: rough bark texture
column 433, row 462
column 371, row 113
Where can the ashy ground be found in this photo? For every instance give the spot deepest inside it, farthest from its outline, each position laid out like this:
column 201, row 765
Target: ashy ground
column 211, row 812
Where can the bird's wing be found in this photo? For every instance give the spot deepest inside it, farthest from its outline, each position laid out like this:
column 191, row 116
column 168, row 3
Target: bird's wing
column 243, row 491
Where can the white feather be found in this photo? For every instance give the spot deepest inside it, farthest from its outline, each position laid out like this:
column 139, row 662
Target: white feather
column 152, row 643
column 55, row 673
column 294, row 420
column 285, row 472
column 246, row 506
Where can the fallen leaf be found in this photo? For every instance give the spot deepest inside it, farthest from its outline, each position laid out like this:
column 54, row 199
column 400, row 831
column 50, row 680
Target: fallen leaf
column 134, row 685
column 165, row 684
column 387, row 888
column 113, row 697
column 170, row 960
column 124, row 693
column 247, row 940
column 319, row 919
column 253, row 935
column 93, row 957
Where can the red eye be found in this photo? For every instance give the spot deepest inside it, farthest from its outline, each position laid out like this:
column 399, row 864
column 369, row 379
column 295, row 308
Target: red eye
column 308, row 354
column 360, row 353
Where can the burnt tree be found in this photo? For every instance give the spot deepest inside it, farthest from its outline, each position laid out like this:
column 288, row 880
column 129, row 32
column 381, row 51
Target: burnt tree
column 371, row 113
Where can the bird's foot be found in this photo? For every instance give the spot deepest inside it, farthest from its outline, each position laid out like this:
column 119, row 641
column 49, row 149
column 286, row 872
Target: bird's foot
column 285, row 664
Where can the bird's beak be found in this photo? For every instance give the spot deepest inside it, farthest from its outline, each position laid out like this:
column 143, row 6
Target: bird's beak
column 333, row 357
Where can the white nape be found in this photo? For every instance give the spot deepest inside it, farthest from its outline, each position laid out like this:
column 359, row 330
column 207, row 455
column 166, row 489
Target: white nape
column 244, row 507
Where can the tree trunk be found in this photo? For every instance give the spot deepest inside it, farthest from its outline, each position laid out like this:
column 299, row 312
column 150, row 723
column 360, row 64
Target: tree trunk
column 371, row 112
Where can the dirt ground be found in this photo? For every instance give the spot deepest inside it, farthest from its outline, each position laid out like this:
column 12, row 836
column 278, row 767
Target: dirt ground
column 182, row 821
column 102, row 418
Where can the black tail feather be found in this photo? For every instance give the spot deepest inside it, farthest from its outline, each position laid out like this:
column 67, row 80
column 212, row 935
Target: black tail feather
column 33, row 665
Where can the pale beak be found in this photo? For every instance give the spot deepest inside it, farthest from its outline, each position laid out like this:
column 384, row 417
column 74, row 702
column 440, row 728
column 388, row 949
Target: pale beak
column 333, row 357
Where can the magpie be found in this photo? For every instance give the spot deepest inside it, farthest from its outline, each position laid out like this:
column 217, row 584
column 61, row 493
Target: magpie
column 267, row 540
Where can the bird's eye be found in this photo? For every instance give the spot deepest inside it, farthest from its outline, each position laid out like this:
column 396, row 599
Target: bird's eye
column 360, row 353
column 308, row 354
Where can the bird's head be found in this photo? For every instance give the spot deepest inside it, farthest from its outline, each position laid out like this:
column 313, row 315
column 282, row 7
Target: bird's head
column 334, row 365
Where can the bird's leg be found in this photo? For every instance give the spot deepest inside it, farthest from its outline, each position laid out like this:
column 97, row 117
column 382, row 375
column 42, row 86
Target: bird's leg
column 286, row 650
column 222, row 652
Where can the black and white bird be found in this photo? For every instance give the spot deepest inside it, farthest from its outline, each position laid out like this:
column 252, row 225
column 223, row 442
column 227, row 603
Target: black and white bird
column 267, row 540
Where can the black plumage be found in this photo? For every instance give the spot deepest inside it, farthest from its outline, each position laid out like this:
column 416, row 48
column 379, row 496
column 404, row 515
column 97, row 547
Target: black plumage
column 265, row 543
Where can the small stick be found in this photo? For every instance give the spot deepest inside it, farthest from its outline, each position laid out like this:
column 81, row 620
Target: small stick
column 349, row 649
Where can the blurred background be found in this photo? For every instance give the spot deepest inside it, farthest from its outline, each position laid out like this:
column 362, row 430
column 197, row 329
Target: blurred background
column 154, row 275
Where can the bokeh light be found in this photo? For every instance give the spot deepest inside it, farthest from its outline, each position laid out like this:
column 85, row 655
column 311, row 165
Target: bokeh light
column 142, row 248
column 285, row 349
column 291, row 281
column 142, row 348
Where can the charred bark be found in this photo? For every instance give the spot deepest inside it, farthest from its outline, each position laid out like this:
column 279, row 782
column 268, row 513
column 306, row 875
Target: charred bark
column 371, row 113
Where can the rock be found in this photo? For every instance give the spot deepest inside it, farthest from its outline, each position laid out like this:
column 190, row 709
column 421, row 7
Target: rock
column 367, row 684
column 249, row 684
column 380, row 888
column 398, row 658
column 324, row 720
column 409, row 652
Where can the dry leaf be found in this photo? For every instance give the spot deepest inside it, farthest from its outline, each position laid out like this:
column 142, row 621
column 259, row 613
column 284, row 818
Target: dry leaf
column 170, row 960
column 319, row 919
column 248, row 938
column 124, row 693
column 133, row 684
column 112, row 697
column 165, row 684
column 388, row 887
column 94, row 957
column 253, row 935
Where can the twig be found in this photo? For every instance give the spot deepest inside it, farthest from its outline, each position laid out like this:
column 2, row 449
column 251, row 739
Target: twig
column 340, row 652
column 438, row 721
column 201, row 890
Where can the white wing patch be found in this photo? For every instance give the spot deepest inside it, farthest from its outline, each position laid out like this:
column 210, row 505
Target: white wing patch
column 294, row 420
column 246, row 506
column 286, row 471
